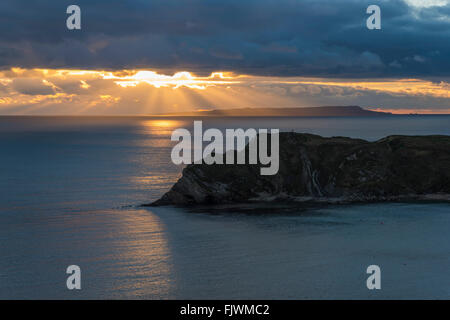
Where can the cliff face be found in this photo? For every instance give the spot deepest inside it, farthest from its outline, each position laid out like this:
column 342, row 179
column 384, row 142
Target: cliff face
column 313, row 168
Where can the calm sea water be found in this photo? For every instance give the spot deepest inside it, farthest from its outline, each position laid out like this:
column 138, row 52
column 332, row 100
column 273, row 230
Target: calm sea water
column 70, row 189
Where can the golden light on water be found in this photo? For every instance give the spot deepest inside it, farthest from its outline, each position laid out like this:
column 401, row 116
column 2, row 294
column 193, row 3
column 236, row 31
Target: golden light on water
column 147, row 254
column 162, row 123
column 163, row 128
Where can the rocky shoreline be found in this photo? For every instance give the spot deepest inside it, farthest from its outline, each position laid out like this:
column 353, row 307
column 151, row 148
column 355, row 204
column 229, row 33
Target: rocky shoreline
column 336, row 170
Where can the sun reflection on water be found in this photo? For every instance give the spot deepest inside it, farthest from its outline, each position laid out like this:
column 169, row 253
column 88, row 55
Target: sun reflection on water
column 142, row 248
column 161, row 127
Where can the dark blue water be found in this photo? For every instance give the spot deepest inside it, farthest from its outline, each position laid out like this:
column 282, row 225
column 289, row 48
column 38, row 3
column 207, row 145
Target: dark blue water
column 69, row 194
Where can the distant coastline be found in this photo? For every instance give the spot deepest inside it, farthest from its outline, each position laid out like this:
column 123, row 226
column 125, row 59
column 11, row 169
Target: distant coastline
column 325, row 111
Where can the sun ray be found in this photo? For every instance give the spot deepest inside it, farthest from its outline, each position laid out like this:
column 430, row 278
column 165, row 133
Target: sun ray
column 65, row 91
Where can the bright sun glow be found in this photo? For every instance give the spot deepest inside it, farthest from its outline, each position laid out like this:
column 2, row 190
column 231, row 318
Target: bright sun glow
column 64, row 91
column 179, row 79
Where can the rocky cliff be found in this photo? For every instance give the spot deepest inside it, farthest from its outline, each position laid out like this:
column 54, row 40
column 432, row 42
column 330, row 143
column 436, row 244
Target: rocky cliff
column 331, row 170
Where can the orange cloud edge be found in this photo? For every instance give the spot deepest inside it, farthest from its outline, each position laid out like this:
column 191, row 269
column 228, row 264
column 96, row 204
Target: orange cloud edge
column 55, row 79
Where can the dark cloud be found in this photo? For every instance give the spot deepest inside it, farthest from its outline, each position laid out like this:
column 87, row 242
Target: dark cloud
column 325, row 38
column 32, row 87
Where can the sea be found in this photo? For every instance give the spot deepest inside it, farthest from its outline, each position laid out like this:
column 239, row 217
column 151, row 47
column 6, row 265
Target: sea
column 71, row 190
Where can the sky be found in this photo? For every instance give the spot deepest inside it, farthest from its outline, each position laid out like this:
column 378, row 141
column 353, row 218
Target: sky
column 159, row 56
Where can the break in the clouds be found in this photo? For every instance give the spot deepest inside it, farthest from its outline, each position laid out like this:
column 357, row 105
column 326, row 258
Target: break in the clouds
column 158, row 56
column 58, row 91
column 314, row 38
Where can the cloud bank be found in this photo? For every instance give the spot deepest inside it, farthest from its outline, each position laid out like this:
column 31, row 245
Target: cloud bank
column 309, row 38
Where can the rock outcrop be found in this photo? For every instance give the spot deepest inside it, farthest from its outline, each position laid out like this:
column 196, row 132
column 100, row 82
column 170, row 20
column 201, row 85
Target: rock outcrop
column 330, row 170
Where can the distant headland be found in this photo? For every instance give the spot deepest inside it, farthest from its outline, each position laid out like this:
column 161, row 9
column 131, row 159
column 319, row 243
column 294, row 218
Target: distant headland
column 326, row 111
